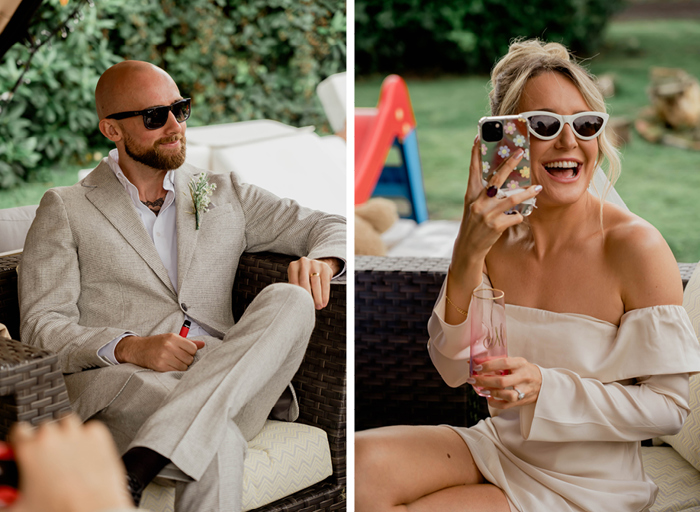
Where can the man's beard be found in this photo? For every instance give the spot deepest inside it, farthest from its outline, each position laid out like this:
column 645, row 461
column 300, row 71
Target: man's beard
column 153, row 157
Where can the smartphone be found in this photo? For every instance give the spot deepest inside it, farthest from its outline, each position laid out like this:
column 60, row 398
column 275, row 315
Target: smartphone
column 500, row 137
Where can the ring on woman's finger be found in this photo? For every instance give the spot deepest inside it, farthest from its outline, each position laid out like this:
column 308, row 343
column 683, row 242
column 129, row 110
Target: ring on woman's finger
column 492, row 191
column 315, row 274
column 521, row 395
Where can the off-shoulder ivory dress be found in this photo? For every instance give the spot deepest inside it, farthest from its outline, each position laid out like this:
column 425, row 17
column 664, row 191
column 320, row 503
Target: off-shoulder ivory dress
column 604, row 389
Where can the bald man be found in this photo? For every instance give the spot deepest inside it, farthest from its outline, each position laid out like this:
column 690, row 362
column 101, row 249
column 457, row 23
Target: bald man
column 115, row 264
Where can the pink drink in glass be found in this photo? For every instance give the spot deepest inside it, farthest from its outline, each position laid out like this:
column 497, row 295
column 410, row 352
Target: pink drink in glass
column 487, row 311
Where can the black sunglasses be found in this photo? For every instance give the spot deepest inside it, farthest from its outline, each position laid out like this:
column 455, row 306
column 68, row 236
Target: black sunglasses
column 156, row 117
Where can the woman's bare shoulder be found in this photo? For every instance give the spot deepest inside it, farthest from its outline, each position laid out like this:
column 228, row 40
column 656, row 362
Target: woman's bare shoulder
column 642, row 259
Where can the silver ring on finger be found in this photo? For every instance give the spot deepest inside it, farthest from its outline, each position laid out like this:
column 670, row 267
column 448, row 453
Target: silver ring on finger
column 521, row 395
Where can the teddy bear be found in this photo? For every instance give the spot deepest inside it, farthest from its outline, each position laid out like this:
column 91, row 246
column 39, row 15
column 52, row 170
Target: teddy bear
column 373, row 218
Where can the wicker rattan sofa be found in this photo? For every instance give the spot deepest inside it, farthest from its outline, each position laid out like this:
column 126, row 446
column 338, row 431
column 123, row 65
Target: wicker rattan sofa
column 397, row 384
column 319, row 383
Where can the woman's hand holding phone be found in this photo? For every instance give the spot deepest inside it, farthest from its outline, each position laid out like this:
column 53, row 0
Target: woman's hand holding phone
column 483, row 222
column 484, row 219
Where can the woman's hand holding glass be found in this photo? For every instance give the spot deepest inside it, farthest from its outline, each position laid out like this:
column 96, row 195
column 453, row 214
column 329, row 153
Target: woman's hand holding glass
column 520, row 376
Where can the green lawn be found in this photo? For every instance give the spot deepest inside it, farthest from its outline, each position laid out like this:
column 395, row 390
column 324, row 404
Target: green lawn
column 661, row 184
column 31, row 193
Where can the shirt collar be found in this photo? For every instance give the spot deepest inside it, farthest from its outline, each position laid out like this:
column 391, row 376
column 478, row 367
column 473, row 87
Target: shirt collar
column 113, row 161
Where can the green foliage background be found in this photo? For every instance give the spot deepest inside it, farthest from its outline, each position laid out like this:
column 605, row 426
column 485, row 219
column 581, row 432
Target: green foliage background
column 238, row 60
column 467, row 36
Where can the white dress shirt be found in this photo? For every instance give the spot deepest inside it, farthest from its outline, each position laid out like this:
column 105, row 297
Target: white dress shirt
column 162, row 230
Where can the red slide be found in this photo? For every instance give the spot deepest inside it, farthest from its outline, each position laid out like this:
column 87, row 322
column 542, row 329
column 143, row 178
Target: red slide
column 375, row 132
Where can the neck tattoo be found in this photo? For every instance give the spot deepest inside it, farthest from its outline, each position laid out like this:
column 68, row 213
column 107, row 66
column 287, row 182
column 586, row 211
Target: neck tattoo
column 154, row 206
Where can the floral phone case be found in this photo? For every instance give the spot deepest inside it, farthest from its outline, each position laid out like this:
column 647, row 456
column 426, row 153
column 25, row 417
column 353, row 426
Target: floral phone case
column 515, row 134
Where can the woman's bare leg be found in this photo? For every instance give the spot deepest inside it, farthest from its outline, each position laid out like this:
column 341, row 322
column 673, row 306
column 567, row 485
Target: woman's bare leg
column 479, row 497
column 419, row 468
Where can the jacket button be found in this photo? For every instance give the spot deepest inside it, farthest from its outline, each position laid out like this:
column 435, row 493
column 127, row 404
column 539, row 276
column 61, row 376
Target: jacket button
column 184, row 306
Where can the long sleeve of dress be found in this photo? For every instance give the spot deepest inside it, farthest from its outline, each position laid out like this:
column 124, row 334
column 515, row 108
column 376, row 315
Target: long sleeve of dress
column 571, row 408
column 449, row 344
column 624, row 383
column 632, row 387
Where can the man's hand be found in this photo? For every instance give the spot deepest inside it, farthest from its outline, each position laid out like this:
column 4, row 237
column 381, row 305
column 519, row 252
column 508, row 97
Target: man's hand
column 314, row 276
column 65, row 466
column 163, row 353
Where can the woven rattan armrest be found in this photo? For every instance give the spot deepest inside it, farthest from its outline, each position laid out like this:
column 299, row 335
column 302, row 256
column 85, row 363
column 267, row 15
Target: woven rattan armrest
column 31, row 386
column 31, row 381
column 320, row 381
column 395, row 380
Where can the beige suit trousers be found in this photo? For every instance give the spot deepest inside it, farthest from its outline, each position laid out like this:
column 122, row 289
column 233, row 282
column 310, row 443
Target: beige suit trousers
column 201, row 419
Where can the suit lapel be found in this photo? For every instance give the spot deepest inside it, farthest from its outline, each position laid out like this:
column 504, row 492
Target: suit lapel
column 186, row 232
column 110, row 198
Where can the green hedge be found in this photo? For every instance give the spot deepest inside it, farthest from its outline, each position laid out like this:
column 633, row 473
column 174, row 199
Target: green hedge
column 238, row 60
column 468, row 36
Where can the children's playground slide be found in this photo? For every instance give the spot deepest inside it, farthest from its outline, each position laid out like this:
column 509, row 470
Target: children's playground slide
column 391, row 123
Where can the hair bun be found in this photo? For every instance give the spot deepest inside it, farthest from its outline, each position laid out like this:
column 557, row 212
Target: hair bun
column 527, row 54
column 557, row 50
column 535, row 49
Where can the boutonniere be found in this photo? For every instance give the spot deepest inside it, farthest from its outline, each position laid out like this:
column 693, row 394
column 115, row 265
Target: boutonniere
column 201, row 191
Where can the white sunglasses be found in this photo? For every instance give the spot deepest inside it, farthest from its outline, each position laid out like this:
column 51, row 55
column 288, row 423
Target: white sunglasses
column 547, row 125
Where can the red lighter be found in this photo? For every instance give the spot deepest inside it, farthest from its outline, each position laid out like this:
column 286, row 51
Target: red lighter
column 185, row 328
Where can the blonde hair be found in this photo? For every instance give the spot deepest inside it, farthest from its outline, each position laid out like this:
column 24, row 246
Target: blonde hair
column 528, row 59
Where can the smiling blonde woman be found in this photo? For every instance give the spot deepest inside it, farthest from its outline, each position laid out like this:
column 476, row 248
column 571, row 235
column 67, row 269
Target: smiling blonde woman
column 600, row 347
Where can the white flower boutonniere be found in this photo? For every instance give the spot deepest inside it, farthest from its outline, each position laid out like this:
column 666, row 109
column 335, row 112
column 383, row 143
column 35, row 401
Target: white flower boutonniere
column 201, row 191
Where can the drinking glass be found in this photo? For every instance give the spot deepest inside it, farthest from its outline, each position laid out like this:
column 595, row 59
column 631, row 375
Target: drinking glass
column 487, row 311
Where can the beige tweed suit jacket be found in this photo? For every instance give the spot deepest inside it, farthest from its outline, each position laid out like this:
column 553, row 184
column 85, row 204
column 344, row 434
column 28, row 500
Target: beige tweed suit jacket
column 90, row 271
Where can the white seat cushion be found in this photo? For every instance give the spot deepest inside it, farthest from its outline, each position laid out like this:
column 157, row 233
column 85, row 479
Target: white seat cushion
column 678, row 481
column 333, row 96
column 293, row 166
column 287, row 161
column 687, row 441
column 282, row 459
column 14, row 224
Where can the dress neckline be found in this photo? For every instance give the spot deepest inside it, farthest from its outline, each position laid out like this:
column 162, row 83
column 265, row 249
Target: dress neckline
column 648, row 309
column 567, row 314
column 582, row 315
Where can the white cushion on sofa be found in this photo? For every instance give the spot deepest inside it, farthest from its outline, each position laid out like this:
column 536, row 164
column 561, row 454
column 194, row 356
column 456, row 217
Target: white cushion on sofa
column 687, row 441
column 282, row 459
column 14, row 224
column 287, row 161
column 678, row 481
